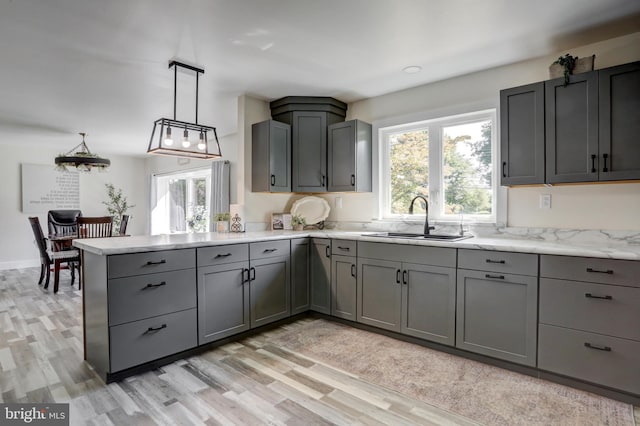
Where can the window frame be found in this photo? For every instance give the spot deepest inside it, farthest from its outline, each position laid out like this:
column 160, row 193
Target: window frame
column 435, row 128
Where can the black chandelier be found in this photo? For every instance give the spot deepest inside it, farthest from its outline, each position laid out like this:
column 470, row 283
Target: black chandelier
column 81, row 158
column 164, row 143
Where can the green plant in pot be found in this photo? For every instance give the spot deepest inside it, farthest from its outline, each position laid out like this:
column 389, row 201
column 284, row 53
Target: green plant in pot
column 298, row 222
column 568, row 63
column 117, row 205
column 222, row 221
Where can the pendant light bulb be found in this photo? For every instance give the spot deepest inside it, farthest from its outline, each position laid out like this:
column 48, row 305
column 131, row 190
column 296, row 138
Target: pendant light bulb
column 185, row 139
column 168, row 141
column 202, row 144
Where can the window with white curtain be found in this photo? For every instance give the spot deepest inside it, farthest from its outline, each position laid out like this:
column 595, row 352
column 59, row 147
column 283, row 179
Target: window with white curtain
column 182, row 201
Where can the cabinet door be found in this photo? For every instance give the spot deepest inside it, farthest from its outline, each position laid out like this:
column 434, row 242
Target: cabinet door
column 320, row 279
column 571, row 119
column 379, row 293
column 270, row 290
column 309, row 151
column 349, row 156
column 300, row 296
column 619, row 102
column 223, row 301
column 429, row 302
column 343, row 287
column 271, row 157
column 522, row 134
column 497, row 315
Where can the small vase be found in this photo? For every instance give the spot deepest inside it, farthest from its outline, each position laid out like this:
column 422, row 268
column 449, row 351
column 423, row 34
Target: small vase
column 222, row 226
column 299, row 227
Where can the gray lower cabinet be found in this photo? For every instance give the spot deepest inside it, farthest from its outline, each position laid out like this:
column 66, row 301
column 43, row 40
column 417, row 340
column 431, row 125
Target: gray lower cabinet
column 589, row 316
column 349, row 156
column 497, row 312
column 343, row 287
column 522, row 135
column 320, row 275
column 379, row 293
column 300, row 290
column 271, row 157
column 270, row 290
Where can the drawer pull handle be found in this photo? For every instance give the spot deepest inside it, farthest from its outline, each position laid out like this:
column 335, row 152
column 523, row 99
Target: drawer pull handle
column 344, row 248
column 598, row 347
column 152, row 329
column 155, row 285
column 218, row 256
column 593, row 296
column 502, row 262
column 269, row 250
column 160, row 262
column 597, row 271
column 497, row 277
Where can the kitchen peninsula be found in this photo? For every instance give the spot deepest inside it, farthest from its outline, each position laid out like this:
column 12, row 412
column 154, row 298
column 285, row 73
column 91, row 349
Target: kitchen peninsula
column 537, row 307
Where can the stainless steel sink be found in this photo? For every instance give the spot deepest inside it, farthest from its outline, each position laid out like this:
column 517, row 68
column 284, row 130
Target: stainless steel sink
column 437, row 237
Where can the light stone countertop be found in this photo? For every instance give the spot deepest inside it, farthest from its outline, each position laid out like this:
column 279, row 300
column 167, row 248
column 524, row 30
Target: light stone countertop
column 143, row 243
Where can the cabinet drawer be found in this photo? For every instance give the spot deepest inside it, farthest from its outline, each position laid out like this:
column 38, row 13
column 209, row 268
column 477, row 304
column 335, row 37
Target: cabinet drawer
column 268, row 249
column 344, row 247
column 125, row 265
column 423, row 255
column 498, row 261
column 144, row 296
column 138, row 342
column 218, row 255
column 598, row 308
column 605, row 271
column 565, row 351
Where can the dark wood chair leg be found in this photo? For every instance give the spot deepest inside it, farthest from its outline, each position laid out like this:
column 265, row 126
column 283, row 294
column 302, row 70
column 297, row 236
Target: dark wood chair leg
column 41, row 273
column 72, row 268
column 56, row 276
column 46, row 282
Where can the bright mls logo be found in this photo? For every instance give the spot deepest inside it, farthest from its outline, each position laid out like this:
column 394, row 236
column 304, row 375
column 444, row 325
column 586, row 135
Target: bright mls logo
column 34, row 414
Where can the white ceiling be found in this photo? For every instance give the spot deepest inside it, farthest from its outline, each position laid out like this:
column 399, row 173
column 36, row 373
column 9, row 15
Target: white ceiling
column 101, row 66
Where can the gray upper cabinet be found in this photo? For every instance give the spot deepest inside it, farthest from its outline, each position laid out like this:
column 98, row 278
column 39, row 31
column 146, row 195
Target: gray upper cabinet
column 571, row 119
column 271, row 157
column 522, row 135
column 300, row 295
column 320, row 279
column 619, row 102
column 349, row 157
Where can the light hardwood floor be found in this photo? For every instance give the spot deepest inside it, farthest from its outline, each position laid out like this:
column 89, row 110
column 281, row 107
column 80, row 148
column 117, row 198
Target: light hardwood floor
column 249, row 382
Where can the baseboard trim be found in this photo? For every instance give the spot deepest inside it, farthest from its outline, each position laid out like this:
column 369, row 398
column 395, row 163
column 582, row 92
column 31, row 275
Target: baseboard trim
column 19, row 264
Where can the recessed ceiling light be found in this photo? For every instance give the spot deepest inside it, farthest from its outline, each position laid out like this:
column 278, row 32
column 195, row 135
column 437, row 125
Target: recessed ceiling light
column 412, row 69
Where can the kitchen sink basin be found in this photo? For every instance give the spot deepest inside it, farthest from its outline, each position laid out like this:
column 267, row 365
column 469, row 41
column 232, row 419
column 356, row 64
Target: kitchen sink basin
column 437, row 237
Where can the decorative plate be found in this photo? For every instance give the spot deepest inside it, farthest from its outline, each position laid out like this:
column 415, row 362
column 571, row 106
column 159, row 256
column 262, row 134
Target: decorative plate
column 313, row 209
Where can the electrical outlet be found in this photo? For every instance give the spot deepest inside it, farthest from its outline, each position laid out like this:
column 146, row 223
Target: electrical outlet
column 545, row 201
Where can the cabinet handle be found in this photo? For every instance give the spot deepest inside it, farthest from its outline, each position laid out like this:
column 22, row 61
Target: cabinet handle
column 273, row 180
column 353, row 270
column 323, row 178
column 398, row 276
column 597, row 271
column 152, row 329
column 504, row 165
column 353, row 180
column 502, row 262
column 326, row 251
column 592, row 296
column 254, row 274
column 245, row 280
column 218, row 256
column 604, row 157
column 269, row 250
column 404, row 277
column 160, row 262
column 593, row 163
column 598, row 347
column 155, row 285
column 497, row 277
column 344, row 248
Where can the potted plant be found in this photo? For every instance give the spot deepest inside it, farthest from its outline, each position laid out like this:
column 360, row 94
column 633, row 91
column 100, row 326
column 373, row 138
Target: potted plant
column 567, row 65
column 222, row 221
column 117, row 205
column 298, row 222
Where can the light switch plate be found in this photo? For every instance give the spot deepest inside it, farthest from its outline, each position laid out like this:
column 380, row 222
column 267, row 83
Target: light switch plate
column 338, row 202
column 545, row 201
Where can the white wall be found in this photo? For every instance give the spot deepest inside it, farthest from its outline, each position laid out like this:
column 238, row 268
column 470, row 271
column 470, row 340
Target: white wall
column 18, row 248
column 599, row 206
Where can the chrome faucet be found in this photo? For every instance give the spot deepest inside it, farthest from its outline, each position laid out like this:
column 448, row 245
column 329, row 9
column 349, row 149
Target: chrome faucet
column 427, row 228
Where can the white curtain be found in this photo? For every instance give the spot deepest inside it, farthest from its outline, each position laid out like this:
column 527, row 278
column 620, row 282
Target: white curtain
column 220, row 191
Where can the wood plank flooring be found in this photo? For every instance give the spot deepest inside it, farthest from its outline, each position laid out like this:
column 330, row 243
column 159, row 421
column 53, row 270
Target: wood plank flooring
column 249, row 382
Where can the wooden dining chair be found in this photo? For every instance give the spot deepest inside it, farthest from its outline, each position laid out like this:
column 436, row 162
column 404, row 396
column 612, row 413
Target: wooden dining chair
column 95, row 227
column 48, row 257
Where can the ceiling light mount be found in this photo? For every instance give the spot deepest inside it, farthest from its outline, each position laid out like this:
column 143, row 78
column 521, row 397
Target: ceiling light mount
column 164, row 143
column 81, row 158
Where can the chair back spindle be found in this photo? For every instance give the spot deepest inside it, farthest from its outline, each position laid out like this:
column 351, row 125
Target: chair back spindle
column 95, row 227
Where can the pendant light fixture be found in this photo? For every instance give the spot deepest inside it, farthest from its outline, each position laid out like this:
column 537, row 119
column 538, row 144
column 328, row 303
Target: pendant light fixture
column 163, row 143
column 81, row 158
